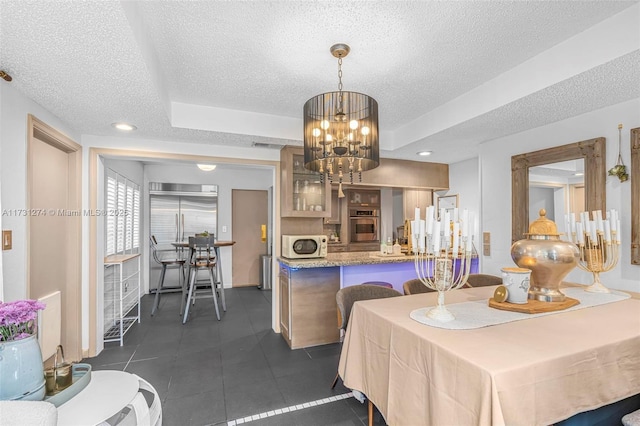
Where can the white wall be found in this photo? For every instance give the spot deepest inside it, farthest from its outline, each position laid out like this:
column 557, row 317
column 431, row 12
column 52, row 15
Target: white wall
column 13, row 179
column 495, row 174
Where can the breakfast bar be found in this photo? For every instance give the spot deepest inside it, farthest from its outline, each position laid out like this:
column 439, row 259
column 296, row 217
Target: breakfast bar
column 308, row 287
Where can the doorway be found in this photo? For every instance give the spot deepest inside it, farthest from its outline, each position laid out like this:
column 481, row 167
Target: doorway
column 249, row 215
column 54, row 230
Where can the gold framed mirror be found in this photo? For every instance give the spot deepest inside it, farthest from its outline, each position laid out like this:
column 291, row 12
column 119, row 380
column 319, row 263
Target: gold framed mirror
column 635, row 196
column 592, row 151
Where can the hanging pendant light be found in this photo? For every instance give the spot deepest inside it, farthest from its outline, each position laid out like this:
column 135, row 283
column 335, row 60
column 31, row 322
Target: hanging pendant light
column 341, row 131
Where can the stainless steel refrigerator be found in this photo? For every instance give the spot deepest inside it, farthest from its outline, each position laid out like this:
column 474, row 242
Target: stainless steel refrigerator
column 178, row 211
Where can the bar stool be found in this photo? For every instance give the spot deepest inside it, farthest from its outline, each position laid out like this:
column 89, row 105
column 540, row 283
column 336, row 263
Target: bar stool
column 202, row 257
column 166, row 264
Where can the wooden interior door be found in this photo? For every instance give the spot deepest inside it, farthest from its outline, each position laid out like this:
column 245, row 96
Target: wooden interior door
column 249, row 214
column 54, row 228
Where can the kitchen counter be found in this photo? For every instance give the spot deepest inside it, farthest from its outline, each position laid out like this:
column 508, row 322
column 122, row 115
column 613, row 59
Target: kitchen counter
column 346, row 259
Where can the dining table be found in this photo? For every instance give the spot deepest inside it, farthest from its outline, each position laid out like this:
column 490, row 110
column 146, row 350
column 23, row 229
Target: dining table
column 535, row 370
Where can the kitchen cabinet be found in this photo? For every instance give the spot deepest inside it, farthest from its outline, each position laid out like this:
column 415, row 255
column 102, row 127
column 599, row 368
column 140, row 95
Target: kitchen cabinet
column 336, row 204
column 308, row 309
column 304, row 194
column 412, row 198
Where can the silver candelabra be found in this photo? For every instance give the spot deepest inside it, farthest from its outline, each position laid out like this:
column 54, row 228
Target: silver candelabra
column 443, row 252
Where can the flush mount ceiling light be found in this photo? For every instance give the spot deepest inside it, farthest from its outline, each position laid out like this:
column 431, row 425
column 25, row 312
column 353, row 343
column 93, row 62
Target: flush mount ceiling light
column 125, row 127
column 207, row 167
column 341, row 130
column 424, row 153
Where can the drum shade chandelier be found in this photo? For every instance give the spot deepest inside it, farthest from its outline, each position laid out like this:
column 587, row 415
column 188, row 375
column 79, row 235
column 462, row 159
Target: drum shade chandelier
column 341, row 131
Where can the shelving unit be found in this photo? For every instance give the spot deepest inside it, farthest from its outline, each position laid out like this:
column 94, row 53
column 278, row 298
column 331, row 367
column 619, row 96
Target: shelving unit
column 304, row 193
column 121, row 295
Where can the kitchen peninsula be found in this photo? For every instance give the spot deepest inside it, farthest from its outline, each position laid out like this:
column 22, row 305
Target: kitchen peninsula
column 308, row 287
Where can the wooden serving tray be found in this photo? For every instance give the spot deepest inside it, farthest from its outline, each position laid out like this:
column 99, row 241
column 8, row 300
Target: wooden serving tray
column 534, row 306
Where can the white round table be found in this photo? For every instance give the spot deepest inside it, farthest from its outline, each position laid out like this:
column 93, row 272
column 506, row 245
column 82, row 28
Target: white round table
column 107, row 393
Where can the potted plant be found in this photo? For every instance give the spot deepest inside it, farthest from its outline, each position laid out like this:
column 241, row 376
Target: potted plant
column 21, row 369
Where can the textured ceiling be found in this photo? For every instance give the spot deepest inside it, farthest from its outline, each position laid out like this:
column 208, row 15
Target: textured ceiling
column 96, row 62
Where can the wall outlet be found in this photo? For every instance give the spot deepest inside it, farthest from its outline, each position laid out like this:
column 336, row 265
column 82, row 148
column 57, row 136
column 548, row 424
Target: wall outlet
column 6, row 240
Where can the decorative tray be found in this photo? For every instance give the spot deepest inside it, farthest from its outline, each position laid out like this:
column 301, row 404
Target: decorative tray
column 80, row 376
column 534, row 306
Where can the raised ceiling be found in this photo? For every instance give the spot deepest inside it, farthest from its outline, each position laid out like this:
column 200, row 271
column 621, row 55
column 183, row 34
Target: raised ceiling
column 448, row 75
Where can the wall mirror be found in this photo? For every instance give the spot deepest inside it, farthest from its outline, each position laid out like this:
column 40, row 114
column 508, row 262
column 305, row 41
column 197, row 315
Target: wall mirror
column 558, row 188
column 592, row 153
column 635, row 196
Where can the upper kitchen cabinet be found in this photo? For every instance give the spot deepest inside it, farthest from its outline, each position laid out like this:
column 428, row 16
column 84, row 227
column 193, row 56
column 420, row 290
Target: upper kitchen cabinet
column 304, row 194
column 393, row 173
column 412, row 198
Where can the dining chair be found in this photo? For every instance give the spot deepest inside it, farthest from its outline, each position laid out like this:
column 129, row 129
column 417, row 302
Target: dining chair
column 166, row 263
column 482, row 280
column 415, row 286
column 201, row 257
column 345, row 298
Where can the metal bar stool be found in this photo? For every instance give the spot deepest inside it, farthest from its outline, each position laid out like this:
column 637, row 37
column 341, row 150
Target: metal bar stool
column 166, row 264
column 202, row 257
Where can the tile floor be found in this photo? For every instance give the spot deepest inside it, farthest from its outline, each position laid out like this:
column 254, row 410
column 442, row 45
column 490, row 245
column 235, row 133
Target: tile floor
column 233, row 371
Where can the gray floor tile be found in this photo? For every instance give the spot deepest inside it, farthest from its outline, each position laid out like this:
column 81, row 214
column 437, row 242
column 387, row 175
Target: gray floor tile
column 243, row 400
column 196, row 410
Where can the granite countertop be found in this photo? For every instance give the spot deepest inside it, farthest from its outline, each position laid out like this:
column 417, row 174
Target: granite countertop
column 346, row 259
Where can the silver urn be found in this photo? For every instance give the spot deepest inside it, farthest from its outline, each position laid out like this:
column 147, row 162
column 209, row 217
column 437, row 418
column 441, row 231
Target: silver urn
column 548, row 257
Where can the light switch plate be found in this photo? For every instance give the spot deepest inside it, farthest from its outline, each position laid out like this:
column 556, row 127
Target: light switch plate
column 224, row 228
column 6, row 240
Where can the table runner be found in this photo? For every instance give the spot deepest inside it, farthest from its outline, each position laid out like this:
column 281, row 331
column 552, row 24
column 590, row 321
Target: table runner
column 478, row 314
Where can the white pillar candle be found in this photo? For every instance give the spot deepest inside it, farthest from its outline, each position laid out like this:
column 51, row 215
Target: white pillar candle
column 447, row 224
column 417, row 214
column 429, row 218
column 580, row 232
column 619, row 230
column 599, row 221
column 572, row 223
column 607, row 231
column 593, row 232
column 456, row 231
column 436, row 236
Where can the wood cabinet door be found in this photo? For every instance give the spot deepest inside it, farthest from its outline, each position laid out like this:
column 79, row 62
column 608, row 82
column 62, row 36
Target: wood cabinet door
column 285, row 311
column 413, row 198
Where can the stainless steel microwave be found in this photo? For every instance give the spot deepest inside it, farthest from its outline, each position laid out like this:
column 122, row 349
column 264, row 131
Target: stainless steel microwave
column 304, row 246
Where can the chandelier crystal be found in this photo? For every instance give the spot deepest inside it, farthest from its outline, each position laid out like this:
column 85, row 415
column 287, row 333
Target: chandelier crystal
column 341, row 131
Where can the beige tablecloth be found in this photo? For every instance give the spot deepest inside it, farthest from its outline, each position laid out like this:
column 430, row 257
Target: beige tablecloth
column 531, row 372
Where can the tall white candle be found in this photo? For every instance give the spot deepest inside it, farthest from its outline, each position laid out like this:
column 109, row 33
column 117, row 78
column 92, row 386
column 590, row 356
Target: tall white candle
column 415, row 229
column 436, row 236
column 417, row 214
column 456, row 231
column 572, row 223
column 447, row 225
column 593, row 232
column 430, row 211
column 607, row 231
column 619, row 230
column 580, row 232
column 599, row 221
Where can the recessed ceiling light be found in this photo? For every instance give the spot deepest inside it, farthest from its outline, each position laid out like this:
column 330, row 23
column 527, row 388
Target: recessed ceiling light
column 578, row 174
column 126, row 127
column 424, row 153
column 207, row 167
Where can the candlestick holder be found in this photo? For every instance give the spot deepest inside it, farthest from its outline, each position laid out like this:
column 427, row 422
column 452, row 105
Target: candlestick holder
column 599, row 244
column 443, row 254
column 597, row 256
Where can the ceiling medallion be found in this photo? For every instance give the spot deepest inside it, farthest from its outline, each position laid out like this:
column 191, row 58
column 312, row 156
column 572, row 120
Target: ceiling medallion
column 341, row 131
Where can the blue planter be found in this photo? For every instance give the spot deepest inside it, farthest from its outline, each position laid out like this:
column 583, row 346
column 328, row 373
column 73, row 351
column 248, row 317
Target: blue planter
column 21, row 370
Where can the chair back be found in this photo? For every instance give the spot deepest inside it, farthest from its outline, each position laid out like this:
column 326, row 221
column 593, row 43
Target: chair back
column 153, row 243
column 482, row 280
column 202, row 249
column 346, row 297
column 415, row 286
